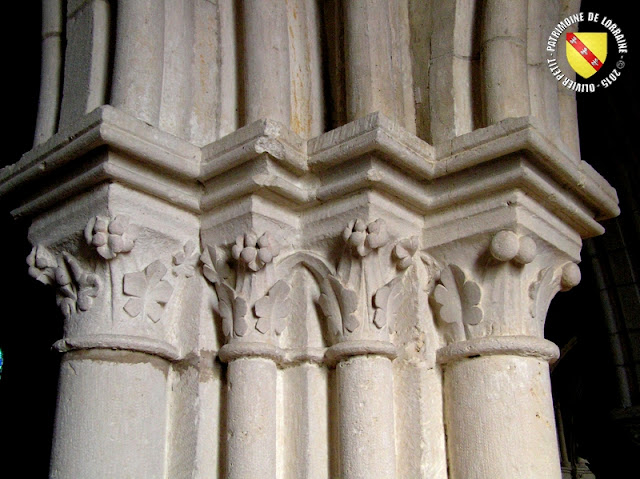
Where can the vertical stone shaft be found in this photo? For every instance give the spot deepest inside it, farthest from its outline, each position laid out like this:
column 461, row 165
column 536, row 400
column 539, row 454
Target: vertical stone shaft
column 139, row 58
column 266, row 80
column 504, row 60
column 87, row 48
column 307, row 98
column 49, row 102
column 111, row 416
column 367, row 436
column 371, row 42
column 451, row 69
column 500, row 418
column 543, row 86
column 251, row 419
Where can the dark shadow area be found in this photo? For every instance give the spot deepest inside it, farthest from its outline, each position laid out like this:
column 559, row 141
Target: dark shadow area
column 30, row 321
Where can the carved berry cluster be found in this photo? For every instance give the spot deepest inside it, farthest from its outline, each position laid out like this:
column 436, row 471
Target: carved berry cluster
column 256, row 252
column 508, row 246
column 110, row 236
column 404, row 250
column 364, row 238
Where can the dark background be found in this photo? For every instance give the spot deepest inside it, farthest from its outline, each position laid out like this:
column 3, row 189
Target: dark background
column 584, row 381
column 30, row 321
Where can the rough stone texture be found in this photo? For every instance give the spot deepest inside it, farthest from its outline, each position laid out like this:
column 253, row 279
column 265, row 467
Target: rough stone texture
column 513, row 400
column 266, row 271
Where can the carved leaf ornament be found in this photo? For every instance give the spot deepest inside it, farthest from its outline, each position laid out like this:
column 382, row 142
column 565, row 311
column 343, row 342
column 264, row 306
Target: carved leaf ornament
column 185, row 261
column 356, row 293
column 339, row 305
column 233, row 310
column 149, row 292
column 234, row 289
column 76, row 287
column 274, row 307
column 458, row 298
column 383, row 301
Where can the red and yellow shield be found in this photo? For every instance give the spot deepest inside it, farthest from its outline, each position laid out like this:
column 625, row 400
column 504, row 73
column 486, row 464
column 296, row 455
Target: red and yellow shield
column 586, row 52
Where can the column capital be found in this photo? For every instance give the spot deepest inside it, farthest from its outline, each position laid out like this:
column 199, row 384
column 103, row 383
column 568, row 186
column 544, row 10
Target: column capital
column 501, row 205
column 500, row 285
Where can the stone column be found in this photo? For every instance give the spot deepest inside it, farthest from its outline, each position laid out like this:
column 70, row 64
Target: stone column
column 499, row 409
column 366, row 416
column 111, row 411
column 139, row 59
column 51, row 71
column 124, row 198
column 251, row 416
column 266, row 61
column 121, row 262
column 119, row 278
column 498, row 406
column 253, row 306
column 504, row 58
column 377, row 60
column 357, row 300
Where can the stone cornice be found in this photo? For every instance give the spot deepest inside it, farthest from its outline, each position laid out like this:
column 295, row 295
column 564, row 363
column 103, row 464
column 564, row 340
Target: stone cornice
column 524, row 134
column 268, row 159
column 246, row 144
column 373, row 134
column 146, row 158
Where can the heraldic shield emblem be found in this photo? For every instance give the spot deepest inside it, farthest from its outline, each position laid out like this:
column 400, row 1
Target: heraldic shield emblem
column 586, row 52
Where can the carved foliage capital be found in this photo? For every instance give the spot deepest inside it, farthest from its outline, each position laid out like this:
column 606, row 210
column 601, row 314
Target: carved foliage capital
column 506, row 291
